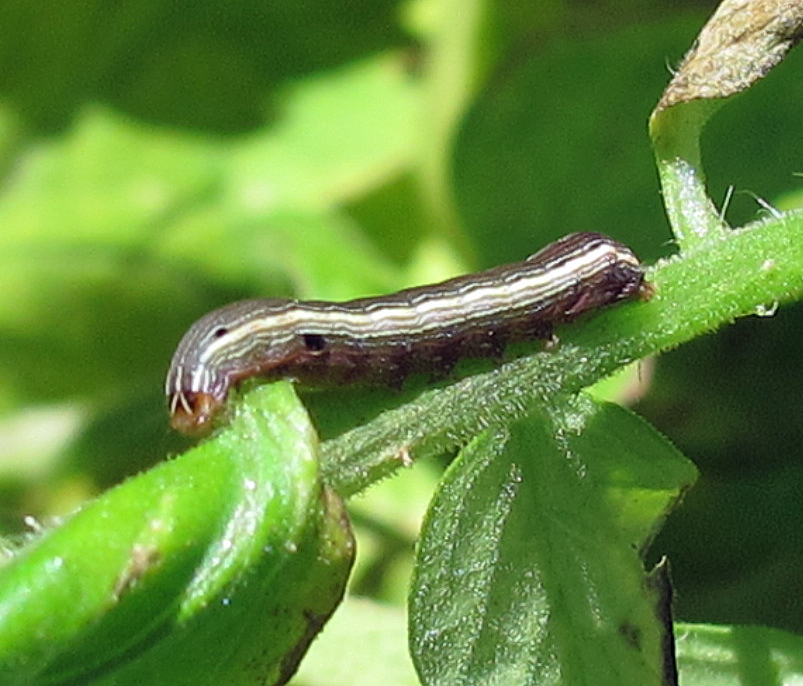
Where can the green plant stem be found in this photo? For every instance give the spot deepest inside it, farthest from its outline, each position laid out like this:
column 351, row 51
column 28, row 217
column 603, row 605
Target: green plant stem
column 739, row 274
column 675, row 134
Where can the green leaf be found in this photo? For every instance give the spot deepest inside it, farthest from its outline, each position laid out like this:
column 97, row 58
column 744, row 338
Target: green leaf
column 528, row 564
column 328, row 146
column 555, row 142
column 198, row 68
column 738, row 656
column 218, row 567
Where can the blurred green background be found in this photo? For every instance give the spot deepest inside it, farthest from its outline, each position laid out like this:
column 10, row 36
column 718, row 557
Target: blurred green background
column 161, row 159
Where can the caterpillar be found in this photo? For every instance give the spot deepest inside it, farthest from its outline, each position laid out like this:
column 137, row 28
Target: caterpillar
column 383, row 339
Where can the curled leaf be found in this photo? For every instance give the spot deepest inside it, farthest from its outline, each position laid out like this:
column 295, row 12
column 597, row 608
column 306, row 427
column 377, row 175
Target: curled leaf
column 739, row 45
column 218, row 567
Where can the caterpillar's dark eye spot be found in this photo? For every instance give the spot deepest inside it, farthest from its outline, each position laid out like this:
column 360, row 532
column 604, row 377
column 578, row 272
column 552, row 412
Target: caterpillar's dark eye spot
column 314, row 341
column 219, row 332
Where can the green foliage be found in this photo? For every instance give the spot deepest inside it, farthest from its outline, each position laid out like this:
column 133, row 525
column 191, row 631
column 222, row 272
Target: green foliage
column 157, row 164
column 526, row 532
column 145, row 583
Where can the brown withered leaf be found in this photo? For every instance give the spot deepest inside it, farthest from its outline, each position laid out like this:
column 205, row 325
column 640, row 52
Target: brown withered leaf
column 740, row 44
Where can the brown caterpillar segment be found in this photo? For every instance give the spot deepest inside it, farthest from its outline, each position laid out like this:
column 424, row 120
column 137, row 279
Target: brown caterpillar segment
column 383, row 339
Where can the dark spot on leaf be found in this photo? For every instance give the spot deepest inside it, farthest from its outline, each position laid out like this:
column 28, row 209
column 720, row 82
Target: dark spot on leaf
column 631, row 634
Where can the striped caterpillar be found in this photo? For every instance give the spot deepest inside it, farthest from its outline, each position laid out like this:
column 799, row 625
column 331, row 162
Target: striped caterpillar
column 383, row 339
